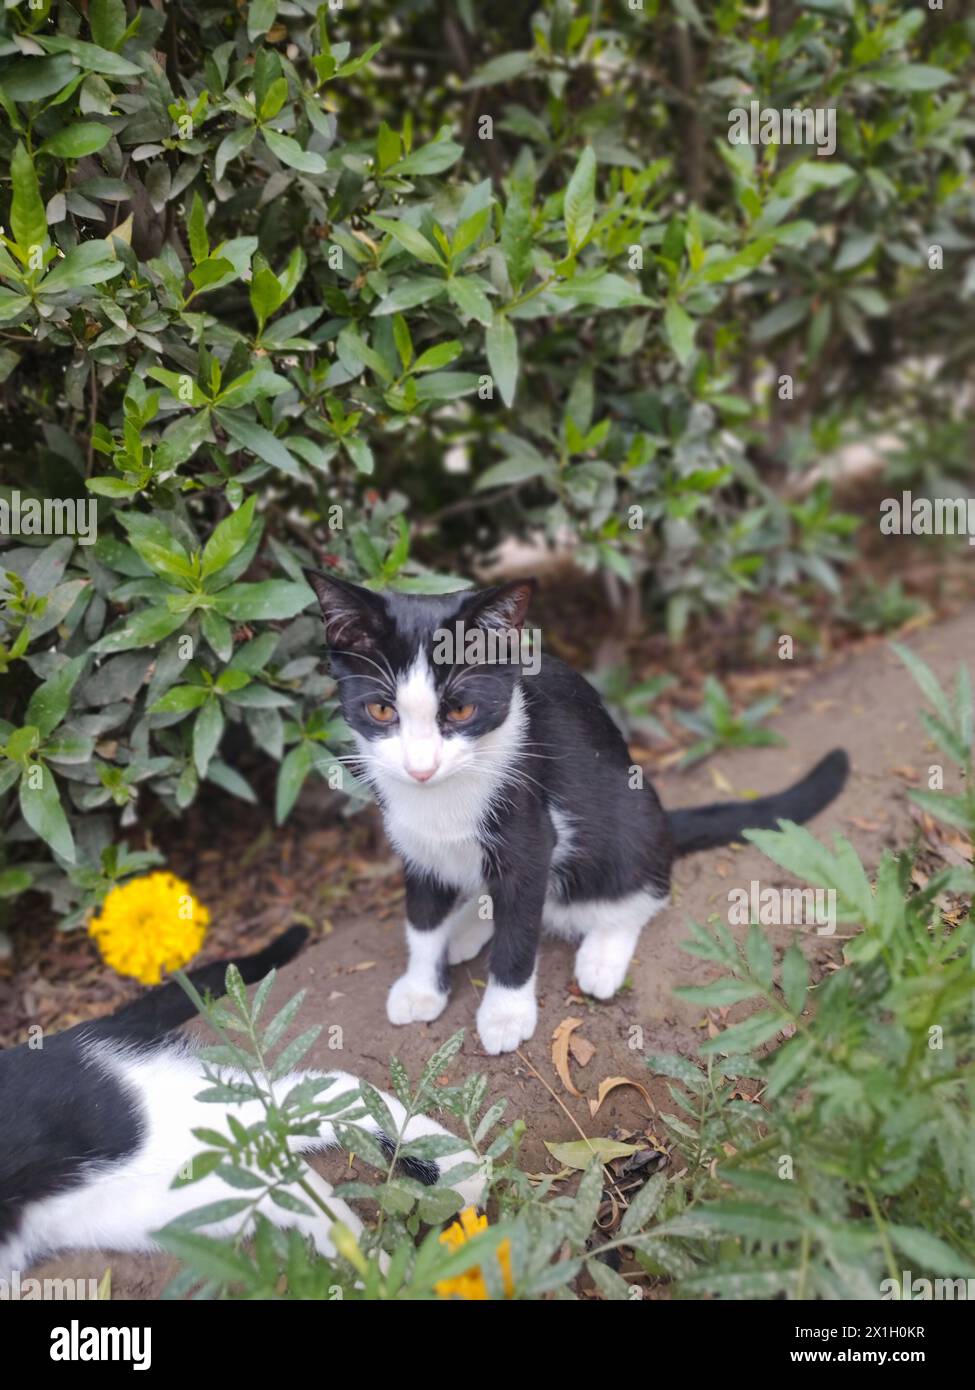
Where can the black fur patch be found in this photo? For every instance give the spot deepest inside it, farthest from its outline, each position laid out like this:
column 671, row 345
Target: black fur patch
column 421, row 1169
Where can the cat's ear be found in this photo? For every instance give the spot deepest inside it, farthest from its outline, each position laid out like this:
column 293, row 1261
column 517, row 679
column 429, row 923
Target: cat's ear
column 504, row 606
column 355, row 618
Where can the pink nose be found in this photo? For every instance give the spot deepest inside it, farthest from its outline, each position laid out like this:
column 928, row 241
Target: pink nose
column 423, row 775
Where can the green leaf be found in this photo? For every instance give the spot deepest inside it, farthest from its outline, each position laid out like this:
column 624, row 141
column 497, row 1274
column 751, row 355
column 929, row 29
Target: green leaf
column 41, row 808
column 272, row 598
column 259, row 441
column 856, row 248
column 13, row 306
column 469, row 231
column 745, row 1036
column 417, row 289
column 14, row 881
column 212, row 1259
column 436, row 357
column 680, row 328
column 33, row 79
column 644, row 1205
column 501, row 69
column 718, row 994
column 759, row 953
column 410, row 239
column 290, row 152
column 50, row 702
column 88, row 264
column 926, row 679
column 911, row 77
column 265, row 295
column 601, row 288
column 108, row 22
column 795, row 979
column 90, row 56
column 261, row 15
column 580, row 200
column 28, row 221
column 158, row 547
column 196, row 228
column 180, row 699
column 359, row 452
column 145, row 628
column 470, row 299
column 931, row 1252
column 228, row 539
column 215, row 270
column 501, row 343
column 207, row 732
column 611, row 1285
column 585, row 1208
column 430, row 159
column 230, row 147
column 76, row 141
column 516, row 232
column 291, row 776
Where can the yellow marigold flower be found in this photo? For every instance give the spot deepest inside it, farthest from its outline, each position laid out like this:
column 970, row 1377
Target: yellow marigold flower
column 149, row 925
column 471, row 1283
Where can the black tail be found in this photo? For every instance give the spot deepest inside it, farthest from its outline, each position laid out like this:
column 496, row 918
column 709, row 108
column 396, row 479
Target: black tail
column 703, row 827
column 165, row 1008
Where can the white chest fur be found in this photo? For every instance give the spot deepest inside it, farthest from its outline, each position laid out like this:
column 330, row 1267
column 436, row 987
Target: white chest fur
column 441, row 827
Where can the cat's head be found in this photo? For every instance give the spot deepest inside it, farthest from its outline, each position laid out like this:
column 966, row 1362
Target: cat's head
column 426, row 682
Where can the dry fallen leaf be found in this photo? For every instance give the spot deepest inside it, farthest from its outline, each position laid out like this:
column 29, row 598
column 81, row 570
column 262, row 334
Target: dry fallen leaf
column 363, row 965
column 560, row 1052
column 611, row 1083
column 582, row 1050
column 721, row 782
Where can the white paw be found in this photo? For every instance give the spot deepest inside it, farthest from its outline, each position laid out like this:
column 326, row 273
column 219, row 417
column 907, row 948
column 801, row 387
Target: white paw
column 409, row 1001
column 506, row 1018
column 600, row 972
column 467, row 941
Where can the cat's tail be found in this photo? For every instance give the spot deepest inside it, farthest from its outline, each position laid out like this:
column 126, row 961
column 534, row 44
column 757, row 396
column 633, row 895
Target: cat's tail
column 160, row 1010
column 723, row 822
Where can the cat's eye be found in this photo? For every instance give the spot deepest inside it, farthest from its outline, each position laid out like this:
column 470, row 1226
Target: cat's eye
column 383, row 714
column 459, row 714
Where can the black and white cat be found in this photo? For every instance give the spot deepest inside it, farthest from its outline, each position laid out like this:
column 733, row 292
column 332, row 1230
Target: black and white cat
column 512, row 798
column 96, row 1123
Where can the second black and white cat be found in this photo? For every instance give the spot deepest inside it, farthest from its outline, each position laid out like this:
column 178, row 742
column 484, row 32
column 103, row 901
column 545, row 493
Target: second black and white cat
column 512, row 799
column 96, row 1124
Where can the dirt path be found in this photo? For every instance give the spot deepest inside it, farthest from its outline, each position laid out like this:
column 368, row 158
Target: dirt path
column 867, row 704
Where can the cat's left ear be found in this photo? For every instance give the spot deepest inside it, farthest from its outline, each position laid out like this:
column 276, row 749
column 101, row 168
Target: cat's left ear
column 505, row 606
column 355, row 618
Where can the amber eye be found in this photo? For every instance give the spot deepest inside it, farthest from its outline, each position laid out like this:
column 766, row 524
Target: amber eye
column 460, row 713
column 383, row 714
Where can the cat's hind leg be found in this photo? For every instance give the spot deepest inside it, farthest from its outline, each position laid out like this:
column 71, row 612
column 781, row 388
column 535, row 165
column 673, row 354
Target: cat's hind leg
column 610, row 931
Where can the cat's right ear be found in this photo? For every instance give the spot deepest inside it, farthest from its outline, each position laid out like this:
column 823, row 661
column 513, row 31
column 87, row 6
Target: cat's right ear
column 355, row 618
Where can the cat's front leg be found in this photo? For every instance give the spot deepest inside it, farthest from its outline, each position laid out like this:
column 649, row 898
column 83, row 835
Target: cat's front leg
column 421, row 994
column 508, row 1011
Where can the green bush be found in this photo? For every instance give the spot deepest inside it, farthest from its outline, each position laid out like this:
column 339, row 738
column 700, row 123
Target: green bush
column 267, row 267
